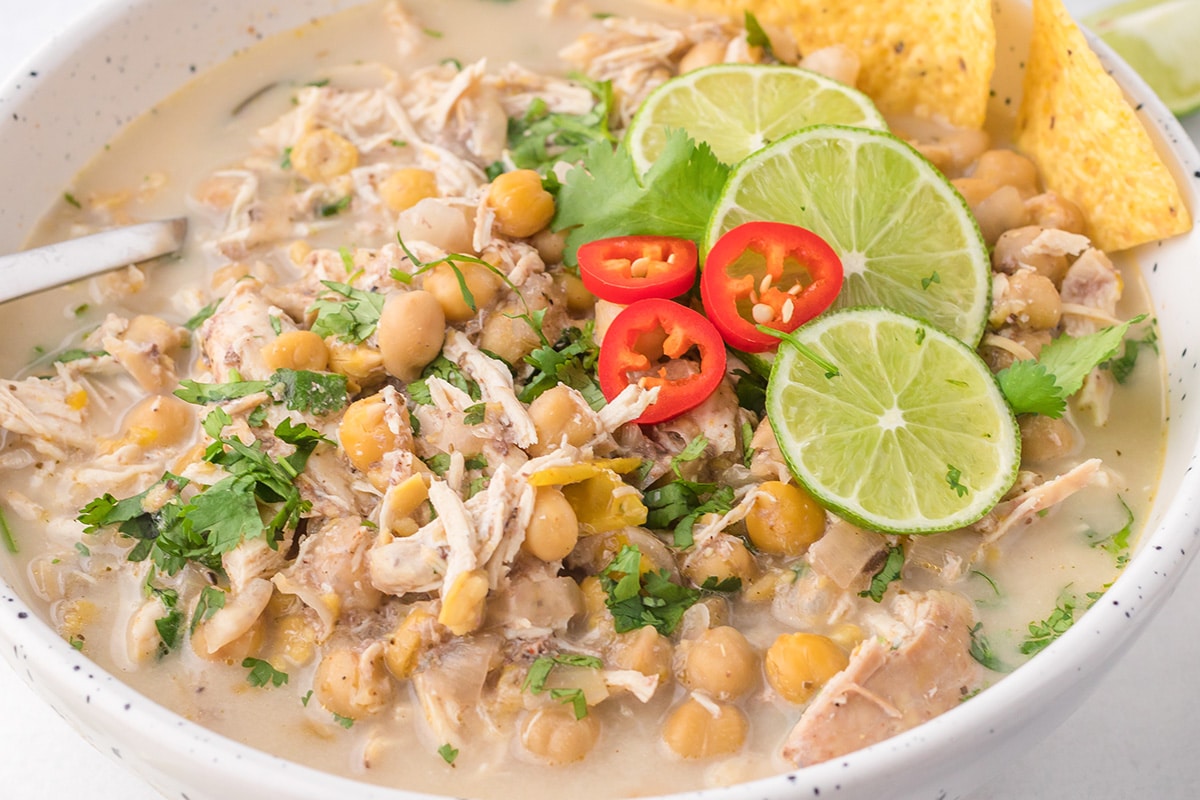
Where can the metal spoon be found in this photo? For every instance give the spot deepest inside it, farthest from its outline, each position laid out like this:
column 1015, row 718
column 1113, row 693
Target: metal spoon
column 53, row 265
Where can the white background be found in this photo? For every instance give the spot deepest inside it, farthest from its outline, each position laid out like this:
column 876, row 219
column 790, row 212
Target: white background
column 1138, row 736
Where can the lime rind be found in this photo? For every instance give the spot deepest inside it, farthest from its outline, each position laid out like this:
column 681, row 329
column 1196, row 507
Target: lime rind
column 877, row 443
column 739, row 108
column 906, row 237
column 1158, row 39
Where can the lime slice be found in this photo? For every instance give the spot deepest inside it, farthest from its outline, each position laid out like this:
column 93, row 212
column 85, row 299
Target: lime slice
column 1158, row 39
column 911, row 436
column 906, row 237
column 739, row 108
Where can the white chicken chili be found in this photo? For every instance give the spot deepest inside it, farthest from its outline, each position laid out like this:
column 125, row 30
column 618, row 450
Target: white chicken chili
column 344, row 482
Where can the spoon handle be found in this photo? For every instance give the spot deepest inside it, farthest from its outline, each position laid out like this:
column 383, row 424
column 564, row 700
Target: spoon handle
column 53, row 265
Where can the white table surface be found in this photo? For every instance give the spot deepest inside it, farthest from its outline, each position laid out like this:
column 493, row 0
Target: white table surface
column 1136, row 738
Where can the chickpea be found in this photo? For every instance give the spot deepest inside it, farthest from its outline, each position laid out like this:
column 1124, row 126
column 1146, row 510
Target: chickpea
column 1041, row 304
column 785, row 520
column 561, row 414
column 1054, row 211
column 365, row 434
column 234, row 652
column 226, row 276
column 1007, row 168
column 323, row 155
column 438, row 222
column 443, row 284
column 362, row 365
column 702, row 54
column 644, row 650
column 722, row 663
column 724, row 557
column 153, row 331
column 160, row 421
column 553, row 530
column 352, row 684
column 296, row 350
column 550, row 245
column 508, row 337
column 463, row 603
column 1000, row 211
column 522, row 205
column 692, row 731
column 411, row 331
column 406, row 187
column 799, row 664
column 580, row 301
column 974, row 190
column 552, row 734
column 406, row 643
column 1045, row 439
column 1008, row 256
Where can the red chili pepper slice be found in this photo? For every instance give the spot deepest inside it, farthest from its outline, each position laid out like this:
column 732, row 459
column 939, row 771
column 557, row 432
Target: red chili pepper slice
column 768, row 273
column 628, row 268
column 648, row 343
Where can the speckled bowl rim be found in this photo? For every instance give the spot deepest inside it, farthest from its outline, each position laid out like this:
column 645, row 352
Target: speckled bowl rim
column 959, row 748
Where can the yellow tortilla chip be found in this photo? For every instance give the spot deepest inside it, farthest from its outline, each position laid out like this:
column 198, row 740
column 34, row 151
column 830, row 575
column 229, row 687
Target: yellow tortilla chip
column 1088, row 143
column 932, row 59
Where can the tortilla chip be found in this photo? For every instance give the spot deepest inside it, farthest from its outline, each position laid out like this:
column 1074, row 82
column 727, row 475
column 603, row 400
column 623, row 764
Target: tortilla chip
column 932, row 59
column 1088, row 143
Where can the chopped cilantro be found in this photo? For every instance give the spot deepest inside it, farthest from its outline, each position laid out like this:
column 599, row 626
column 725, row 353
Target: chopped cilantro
column 70, row 200
column 1116, row 543
column 751, row 391
column 352, row 319
column 6, row 534
column 306, row 697
column 932, row 279
column 571, row 360
column 438, row 464
column 539, row 672
column 276, row 325
column 573, row 696
column 334, row 208
column 1122, row 366
column 540, row 138
column 345, row 722
column 447, row 370
column 756, row 36
column 300, row 390
column 954, row 478
column 1041, row 634
column 262, row 673
column 604, row 197
column 286, row 161
column 474, row 415
column 981, row 651
column 889, row 572
column 77, row 354
column 82, row 549
column 730, row 585
column 211, row 601
column 637, row 600
column 448, row 753
column 215, row 520
column 200, row 316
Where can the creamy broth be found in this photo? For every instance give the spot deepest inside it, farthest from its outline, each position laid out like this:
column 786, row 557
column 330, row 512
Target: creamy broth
column 153, row 169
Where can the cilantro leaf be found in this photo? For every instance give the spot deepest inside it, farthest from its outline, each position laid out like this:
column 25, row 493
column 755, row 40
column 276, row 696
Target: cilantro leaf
column 447, row 370
column 1042, row 387
column 1030, row 389
column 448, row 753
column 315, row 392
column 604, row 197
column 262, row 673
column 756, row 36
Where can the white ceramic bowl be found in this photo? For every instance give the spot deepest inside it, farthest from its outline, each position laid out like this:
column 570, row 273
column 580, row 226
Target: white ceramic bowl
column 123, row 58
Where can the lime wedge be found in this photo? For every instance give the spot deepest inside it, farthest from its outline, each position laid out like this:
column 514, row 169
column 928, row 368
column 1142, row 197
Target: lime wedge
column 911, row 436
column 1158, row 39
column 906, row 237
column 739, row 108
